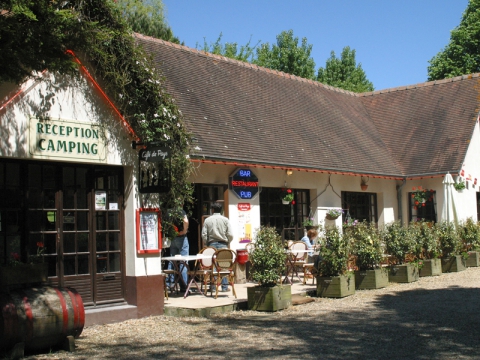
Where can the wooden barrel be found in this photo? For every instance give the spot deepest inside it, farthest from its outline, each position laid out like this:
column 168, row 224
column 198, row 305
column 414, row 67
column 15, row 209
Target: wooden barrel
column 40, row 317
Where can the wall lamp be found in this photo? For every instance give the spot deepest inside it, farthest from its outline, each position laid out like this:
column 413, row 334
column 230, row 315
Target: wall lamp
column 289, row 172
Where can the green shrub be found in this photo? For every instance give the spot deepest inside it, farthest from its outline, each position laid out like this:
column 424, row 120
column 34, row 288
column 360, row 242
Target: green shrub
column 450, row 243
column 399, row 241
column 268, row 257
column 334, row 253
column 366, row 245
column 469, row 232
column 427, row 244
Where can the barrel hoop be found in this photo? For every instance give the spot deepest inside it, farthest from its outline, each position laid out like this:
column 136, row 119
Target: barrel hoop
column 80, row 315
column 64, row 311
column 75, row 308
column 28, row 317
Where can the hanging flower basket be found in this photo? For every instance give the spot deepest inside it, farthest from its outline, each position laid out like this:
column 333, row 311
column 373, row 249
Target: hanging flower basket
column 287, row 196
column 330, row 217
column 333, row 214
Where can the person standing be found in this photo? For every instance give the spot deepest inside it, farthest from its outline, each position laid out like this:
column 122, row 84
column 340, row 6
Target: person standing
column 217, row 232
column 180, row 243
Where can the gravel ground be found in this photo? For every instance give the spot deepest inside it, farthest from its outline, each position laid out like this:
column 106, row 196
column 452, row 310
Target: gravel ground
column 433, row 318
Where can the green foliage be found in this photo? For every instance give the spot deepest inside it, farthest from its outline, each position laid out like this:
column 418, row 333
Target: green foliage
column 427, row 241
column 399, row 241
column 230, row 50
column 268, row 257
column 450, row 243
column 334, row 252
column 147, row 18
column 97, row 30
column 287, row 56
column 367, row 245
column 469, row 232
column 344, row 73
column 462, row 54
column 459, row 185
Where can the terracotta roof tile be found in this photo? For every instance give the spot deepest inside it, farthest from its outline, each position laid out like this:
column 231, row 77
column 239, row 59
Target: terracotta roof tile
column 241, row 112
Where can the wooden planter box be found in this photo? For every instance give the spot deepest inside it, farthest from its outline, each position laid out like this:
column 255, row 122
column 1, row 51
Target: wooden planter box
column 269, row 298
column 371, row 279
column 453, row 264
column 22, row 274
column 404, row 273
column 473, row 259
column 335, row 286
column 431, row 267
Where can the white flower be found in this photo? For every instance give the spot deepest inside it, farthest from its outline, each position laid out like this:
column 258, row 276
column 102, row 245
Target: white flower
column 166, row 136
column 155, row 115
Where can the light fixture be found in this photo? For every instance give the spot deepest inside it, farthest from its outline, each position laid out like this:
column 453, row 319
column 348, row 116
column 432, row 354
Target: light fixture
column 289, row 172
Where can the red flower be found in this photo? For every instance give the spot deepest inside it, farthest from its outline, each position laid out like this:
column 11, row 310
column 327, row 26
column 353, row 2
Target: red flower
column 413, row 195
column 40, row 244
column 293, row 202
column 416, row 203
column 289, row 191
column 423, row 204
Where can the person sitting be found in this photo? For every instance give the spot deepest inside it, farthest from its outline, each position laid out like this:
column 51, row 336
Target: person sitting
column 309, row 238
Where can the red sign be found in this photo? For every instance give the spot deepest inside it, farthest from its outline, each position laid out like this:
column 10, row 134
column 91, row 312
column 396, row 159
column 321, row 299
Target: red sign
column 243, row 206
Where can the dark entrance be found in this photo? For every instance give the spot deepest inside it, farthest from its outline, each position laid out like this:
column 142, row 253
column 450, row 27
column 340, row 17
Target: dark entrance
column 76, row 212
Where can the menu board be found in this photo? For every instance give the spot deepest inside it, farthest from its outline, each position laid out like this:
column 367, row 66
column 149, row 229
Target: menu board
column 148, row 231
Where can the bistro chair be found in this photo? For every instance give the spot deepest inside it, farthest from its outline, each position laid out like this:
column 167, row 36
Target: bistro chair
column 204, row 267
column 223, row 262
column 296, row 259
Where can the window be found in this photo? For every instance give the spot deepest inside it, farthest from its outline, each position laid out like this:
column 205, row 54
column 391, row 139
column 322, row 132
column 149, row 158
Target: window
column 287, row 219
column 359, row 206
column 426, row 211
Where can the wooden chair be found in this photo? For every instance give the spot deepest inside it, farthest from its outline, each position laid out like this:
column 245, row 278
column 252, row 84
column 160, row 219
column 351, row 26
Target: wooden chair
column 204, row 267
column 296, row 259
column 223, row 262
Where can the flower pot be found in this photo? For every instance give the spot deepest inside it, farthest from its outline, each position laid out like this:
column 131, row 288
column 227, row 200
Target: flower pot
column 330, row 217
column 473, row 259
column 23, row 274
column 431, row 267
column 269, row 298
column 285, row 202
column 335, row 286
column 364, row 187
column 371, row 279
column 453, row 264
column 404, row 273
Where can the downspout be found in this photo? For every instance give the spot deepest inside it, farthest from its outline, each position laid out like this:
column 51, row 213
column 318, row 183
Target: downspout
column 399, row 201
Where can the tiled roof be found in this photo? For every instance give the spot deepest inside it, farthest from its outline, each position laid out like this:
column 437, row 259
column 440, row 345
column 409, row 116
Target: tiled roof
column 243, row 113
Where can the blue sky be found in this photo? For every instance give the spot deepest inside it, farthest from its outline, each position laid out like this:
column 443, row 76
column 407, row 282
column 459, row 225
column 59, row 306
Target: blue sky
column 393, row 39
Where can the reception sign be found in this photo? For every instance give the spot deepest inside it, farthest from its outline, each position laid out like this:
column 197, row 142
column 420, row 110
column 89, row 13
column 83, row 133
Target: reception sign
column 148, row 231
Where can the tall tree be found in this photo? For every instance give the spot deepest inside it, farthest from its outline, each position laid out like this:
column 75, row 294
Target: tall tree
column 147, row 18
column 462, row 54
column 344, row 72
column 287, row 56
column 244, row 53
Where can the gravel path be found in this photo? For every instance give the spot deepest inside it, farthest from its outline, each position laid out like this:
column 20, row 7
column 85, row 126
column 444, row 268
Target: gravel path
column 433, row 318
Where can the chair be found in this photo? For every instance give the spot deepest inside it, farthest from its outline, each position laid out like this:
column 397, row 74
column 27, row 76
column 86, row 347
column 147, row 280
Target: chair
column 223, row 262
column 204, row 267
column 296, row 259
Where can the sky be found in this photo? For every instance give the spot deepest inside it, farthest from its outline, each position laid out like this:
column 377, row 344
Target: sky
column 393, row 39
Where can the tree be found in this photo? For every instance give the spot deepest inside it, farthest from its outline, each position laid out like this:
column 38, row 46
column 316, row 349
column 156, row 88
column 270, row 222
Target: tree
column 287, row 56
column 147, row 18
column 230, row 50
column 462, row 54
column 344, row 73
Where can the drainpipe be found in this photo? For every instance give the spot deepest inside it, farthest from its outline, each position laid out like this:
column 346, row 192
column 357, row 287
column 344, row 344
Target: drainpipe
column 399, row 201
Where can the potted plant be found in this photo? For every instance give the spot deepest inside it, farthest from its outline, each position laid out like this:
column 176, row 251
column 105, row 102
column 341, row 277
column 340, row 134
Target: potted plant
column 427, row 248
column 268, row 260
column 334, row 279
column 399, row 244
column 469, row 232
column 34, row 271
column 308, row 224
column 459, row 185
column 333, row 214
column 451, row 247
column 369, row 255
column 287, row 196
column 420, row 196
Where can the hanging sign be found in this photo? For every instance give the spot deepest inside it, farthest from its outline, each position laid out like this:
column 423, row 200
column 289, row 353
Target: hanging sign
column 244, row 183
column 154, row 154
column 148, row 231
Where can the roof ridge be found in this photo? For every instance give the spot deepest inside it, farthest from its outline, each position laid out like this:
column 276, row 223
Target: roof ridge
column 420, row 85
column 247, row 64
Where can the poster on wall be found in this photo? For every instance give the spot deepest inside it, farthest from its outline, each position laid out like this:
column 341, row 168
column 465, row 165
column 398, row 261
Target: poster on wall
column 100, row 200
column 148, row 231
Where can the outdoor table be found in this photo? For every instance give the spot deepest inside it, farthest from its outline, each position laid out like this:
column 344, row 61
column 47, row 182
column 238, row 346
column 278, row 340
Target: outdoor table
column 291, row 261
column 180, row 261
